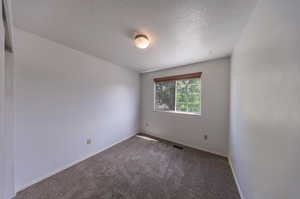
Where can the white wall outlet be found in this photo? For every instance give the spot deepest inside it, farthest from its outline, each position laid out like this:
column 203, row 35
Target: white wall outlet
column 146, row 124
column 88, row 141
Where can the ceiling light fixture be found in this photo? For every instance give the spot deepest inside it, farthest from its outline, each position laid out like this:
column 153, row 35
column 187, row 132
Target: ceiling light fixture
column 141, row 41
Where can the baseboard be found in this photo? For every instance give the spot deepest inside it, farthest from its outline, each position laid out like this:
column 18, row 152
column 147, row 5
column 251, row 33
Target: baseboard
column 235, row 178
column 36, row 180
column 188, row 145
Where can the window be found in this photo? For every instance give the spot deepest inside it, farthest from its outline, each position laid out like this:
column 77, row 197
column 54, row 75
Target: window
column 181, row 93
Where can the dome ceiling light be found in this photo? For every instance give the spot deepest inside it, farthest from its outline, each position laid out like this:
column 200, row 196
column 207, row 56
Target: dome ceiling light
column 141, row 41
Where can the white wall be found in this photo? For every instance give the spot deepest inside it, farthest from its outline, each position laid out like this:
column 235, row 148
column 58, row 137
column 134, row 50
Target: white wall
column 64, row 97
column 190, row 129
column 265, row 125
column 9, row 126
column 2, row 105
column 6, row 126
column 6, row 113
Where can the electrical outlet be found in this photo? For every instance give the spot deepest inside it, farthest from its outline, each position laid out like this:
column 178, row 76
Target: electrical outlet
column 88, row 141
column 146, row 124
column 205, row 137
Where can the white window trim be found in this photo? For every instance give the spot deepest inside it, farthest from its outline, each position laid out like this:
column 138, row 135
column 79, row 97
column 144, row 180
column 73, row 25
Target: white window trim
column 179, row 112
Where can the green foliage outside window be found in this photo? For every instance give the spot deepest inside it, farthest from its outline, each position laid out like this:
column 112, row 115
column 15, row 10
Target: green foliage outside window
column 165, row 96
column 180, row 95
column 188, row 95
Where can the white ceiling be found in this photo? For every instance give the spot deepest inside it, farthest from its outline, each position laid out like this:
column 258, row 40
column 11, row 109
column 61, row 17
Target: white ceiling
column 181, row 31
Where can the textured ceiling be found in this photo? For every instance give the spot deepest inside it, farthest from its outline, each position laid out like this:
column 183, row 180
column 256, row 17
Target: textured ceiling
column 181, row 31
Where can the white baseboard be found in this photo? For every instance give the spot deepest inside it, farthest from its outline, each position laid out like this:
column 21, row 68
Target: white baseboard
column 188, row 145
column 235, row 178
column 36, row 180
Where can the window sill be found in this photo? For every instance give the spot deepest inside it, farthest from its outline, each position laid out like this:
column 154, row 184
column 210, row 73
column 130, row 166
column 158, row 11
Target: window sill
column 177, row 112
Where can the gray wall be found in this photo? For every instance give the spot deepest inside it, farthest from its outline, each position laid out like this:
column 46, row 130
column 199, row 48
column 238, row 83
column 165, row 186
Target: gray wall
column 190, row 129
column 265, row 99
column 63, row 98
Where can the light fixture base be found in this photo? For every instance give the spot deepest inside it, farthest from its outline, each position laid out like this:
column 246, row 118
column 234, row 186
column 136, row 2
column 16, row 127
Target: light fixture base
column 141, row 41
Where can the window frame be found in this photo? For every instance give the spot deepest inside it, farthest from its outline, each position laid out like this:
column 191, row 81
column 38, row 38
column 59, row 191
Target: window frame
column 175, row 78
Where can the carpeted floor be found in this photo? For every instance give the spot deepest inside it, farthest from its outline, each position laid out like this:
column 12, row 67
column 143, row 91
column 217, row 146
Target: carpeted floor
column 141, row 169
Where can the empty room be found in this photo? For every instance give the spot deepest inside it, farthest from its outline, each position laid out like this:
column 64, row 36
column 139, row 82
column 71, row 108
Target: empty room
column 150, row 99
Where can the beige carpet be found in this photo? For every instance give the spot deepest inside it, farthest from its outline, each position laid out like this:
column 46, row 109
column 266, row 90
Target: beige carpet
column 141, row 169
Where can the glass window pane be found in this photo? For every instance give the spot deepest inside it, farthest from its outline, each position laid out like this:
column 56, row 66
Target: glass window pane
column 188, row 95
column 194, row 108
column 165, row 96
column 181, row 107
